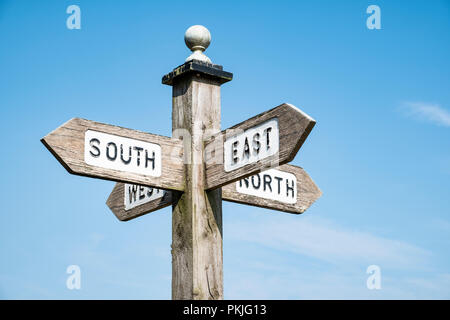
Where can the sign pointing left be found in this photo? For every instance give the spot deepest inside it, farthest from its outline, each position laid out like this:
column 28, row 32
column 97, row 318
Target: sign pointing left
column 98, row 150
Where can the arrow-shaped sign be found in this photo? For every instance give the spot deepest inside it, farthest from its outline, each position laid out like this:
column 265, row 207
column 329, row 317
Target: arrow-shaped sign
column 287, row 188
column 129, row 201
column 265, row 141
column 98, row 150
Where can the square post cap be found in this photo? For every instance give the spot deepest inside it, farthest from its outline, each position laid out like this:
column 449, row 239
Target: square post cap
column 201, row 68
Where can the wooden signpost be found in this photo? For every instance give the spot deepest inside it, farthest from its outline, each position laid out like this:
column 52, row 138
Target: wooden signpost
column 287, row 188
column 98, row 150
column 265, row 141
column 196, row 168
column 129, row 201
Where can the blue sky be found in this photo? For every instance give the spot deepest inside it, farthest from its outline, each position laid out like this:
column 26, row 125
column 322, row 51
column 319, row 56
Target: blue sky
column 380, row 151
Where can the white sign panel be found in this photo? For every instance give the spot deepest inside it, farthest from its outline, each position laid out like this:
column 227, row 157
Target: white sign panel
column 123, row 154
column 253, row 144
column 271, row 184
column 136, row 195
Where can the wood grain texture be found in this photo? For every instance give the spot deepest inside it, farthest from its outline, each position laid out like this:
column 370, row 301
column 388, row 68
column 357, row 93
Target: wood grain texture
column 294, row 128
column 307, row 194
column 66, row 143
column 197, row 259
column 116, row 203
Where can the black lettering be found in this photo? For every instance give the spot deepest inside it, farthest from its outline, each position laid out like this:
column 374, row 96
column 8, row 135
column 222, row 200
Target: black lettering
column 256, row 143
column 253, row 181
column 246, row 182
column 141, row 192
column 121, row 155
column 246, row 153
column 234, row 151
column 279, row 183
column 108, row 149
column 267, row 181
column 92, row 143
column 152, row 159
column 150, row 191
column 289, row 188
column 132, row 189
column 267, row 137
column 138, row 149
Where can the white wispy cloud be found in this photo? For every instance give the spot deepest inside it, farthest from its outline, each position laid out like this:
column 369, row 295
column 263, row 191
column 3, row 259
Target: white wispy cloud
column 332, row 284
column 326, row 241
column 340, row 256
column 427, row 111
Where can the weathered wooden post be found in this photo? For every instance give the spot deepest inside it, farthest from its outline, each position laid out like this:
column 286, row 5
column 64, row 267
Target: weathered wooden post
column 197, row 259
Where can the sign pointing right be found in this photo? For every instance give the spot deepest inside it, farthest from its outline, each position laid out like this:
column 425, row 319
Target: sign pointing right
column 265, row 141
column 287, row 188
